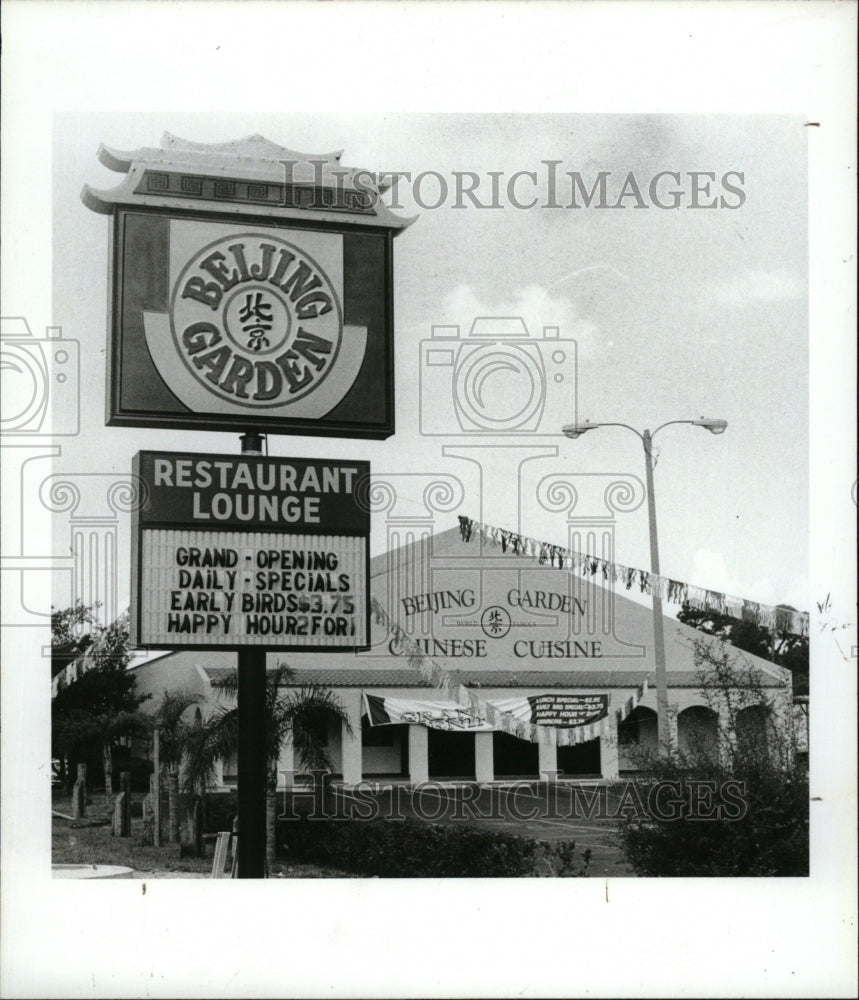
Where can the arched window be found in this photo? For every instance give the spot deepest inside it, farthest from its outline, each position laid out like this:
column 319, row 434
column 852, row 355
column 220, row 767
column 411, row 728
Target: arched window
column 754, row 724
column 698, row 734
column 637, row 738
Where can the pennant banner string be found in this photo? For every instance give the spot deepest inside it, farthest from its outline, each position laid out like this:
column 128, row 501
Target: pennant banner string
column 671, row 591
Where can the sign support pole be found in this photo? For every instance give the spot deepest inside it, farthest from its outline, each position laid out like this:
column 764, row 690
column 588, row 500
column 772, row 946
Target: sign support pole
column 252, row 763
column 252, row 743
column 156, row 786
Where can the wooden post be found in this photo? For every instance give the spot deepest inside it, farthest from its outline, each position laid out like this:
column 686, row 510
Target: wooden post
column 116, row 816
column 148, row 837
column 79, row 793
column 125, row 788
column 156, row 791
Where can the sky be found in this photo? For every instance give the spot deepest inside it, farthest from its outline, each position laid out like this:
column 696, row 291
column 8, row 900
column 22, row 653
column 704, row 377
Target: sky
column 675, row 314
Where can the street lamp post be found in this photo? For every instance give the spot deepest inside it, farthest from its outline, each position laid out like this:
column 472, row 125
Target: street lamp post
column 646, row 438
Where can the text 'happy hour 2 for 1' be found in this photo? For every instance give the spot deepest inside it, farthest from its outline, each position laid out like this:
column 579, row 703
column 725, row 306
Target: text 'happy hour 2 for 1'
column 252, row 549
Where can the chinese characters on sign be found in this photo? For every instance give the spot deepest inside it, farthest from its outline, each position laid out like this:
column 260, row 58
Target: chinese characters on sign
column 242, row 298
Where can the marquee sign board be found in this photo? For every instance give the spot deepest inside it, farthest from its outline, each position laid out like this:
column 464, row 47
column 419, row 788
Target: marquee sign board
column 233, row 551
column 251, row 288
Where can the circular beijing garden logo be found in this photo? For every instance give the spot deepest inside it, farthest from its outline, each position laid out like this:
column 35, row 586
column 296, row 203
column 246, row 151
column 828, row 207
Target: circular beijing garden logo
column 256, row 320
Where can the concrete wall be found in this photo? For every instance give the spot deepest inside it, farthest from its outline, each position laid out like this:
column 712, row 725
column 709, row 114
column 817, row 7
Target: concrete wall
column 384, row 759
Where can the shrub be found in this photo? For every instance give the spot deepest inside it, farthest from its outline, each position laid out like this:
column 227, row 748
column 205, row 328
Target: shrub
column 219, row 811
column 408, row 848
column 771, row 838
column 770, row 835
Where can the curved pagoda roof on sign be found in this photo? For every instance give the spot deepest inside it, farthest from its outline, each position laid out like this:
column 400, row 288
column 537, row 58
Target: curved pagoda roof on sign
column 249, row 176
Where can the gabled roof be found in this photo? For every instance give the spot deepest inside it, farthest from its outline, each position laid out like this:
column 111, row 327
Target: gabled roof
column 259, row 176
column 595, row 637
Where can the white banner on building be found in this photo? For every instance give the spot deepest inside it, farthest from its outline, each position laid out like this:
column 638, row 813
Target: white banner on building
column 551, row 709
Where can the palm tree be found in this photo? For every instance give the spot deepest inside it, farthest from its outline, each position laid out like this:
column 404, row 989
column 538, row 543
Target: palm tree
column 175, row 735
column 299, row 716
column 108, row 728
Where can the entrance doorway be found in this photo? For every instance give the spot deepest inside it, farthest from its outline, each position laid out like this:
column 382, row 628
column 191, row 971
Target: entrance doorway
column 580, row 761
column 450, row 755
column 637, row 740
column 514, row 758
column 384, row 750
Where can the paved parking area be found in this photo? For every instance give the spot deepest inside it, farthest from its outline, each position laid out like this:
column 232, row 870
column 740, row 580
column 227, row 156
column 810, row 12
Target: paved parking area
column 578, row 811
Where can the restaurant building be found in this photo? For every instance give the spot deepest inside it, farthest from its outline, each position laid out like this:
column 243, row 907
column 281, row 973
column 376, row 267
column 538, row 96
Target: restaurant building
column 486, row 663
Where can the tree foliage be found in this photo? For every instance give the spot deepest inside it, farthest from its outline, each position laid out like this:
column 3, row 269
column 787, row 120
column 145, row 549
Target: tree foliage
column 90, row 714
column 776, row 645
column 299, row 716
column 174, row 728
column 175, row 734
column 68, row 638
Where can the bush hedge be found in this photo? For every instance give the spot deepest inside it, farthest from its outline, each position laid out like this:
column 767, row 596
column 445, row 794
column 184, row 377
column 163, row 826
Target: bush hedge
column 770, row 839
column 414, row 849
column 219, row 811
column 769, row 835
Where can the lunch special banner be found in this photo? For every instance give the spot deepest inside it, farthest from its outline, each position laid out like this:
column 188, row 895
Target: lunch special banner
column 561, row 710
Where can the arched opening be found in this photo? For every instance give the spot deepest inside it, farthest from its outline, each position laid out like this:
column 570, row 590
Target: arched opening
column 698, row 734
column 637, row 739
column 754, row 729
column 324, row 730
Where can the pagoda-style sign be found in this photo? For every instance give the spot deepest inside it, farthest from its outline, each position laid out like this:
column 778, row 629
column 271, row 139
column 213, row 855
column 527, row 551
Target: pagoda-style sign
column 251, row 288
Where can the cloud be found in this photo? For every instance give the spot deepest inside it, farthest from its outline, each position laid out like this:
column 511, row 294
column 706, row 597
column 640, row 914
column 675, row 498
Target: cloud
column 535, row 305
column 757, row 286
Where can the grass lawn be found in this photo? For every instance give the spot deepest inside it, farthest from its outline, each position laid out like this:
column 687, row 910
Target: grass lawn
column 90, row 844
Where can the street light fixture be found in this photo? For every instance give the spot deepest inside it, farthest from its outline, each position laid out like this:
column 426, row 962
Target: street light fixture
column 714, row 426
